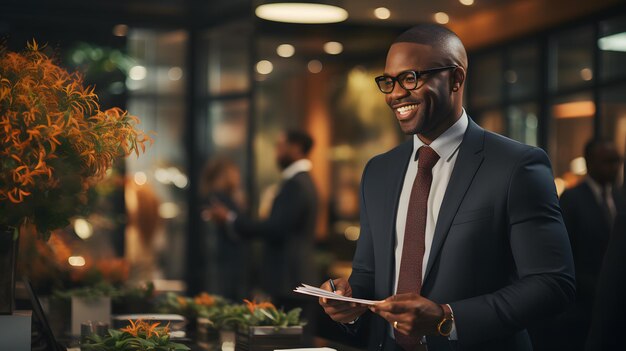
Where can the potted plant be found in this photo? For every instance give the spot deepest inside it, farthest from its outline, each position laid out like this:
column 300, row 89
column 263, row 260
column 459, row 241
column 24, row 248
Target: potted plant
column 261, row 326
column 197, row 310
column 55, row 143
column 139, row 336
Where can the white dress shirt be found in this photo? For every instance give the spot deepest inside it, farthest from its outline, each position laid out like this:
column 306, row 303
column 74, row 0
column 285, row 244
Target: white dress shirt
column 302, row 165
column 447, row 147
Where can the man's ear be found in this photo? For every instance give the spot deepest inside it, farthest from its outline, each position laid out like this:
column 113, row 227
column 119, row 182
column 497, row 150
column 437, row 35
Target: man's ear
column 458, row 78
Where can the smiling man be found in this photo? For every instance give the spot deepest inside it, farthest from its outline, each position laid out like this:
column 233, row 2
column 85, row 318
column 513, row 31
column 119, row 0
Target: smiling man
column 461, row 231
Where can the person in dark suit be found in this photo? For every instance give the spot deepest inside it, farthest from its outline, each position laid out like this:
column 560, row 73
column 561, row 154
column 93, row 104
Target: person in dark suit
column 608, row 323
column 226, row 259
column 461, row 233
column 290, row 228
column 589, row 210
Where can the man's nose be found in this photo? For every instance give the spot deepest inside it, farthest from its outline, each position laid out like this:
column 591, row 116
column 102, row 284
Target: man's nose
column 398, row 92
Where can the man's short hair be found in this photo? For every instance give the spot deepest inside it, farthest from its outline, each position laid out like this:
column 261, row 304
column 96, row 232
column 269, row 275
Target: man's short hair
column 592, row 144
column 437, row 36
column 426, row 33
column 300, row 138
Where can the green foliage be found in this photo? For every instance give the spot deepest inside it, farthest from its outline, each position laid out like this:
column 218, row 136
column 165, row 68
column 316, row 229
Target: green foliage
column 139, row 336
column 240, row 316
column 203, row 305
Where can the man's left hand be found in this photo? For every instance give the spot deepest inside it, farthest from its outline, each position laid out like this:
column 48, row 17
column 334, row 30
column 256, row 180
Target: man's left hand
column 217, row 212
column 410, row 314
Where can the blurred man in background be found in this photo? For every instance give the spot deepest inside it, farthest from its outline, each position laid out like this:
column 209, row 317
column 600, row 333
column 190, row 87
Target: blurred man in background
column 589, row 211
column 289, row 230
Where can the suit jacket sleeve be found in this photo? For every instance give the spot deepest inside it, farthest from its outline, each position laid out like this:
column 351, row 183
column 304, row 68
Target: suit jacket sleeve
column 540, row 250
column 287, row 212
column 362, row 277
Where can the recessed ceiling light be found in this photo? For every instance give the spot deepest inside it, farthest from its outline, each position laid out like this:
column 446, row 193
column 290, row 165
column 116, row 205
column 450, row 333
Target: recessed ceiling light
column 382, row 13
column 120, row 30
column 467, row 2
column 442, row 18
column 586, row 74
column 615, row 42
column 333, row 48
column 315, row 66
column 137, row 72
column 301, row 13
column 264, row 67
column 285, row 50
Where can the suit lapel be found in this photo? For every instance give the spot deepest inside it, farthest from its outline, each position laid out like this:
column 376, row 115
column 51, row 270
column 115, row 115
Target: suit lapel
column 467, row 163
column 399, row 161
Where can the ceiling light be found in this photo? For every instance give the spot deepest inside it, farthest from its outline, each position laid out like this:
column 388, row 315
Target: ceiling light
column 301, row 13
column 120, row 30
column 615, row 42
column 382, row 13
column 442, row 18
column 141, row 178
column 315, row 66
column 82, row 228
column 168, row 210
column 175, row 73
column 264, row 67
column 137, row 73
column 333, row 48
column 76, row 261
column 285, row 50
column 574, row 109
column 467, row 2
column 586, row 74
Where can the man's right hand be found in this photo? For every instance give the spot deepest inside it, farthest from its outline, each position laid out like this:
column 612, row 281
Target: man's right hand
column 341, row 311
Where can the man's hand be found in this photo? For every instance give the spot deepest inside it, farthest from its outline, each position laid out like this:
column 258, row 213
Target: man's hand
column 414, row 314
column 341, row 311
column 216, row 212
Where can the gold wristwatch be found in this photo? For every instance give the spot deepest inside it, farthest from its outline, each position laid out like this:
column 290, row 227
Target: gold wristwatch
column 444, row 328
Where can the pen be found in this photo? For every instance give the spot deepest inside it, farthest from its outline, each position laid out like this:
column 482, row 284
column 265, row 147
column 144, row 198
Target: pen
column 332, row 285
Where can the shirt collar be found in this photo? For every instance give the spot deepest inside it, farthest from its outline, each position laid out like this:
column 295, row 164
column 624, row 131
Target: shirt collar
column 302, row 165
column 596, row 188
column 448, row 142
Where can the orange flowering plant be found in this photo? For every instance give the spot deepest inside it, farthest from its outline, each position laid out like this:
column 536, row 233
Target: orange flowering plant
column 255, row 314
column 55, row 141
column 139, row 335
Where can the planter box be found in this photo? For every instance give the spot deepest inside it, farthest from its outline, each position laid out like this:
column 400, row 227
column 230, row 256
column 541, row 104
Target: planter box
column 94, row 310
column 268, row 338
column 207, row 336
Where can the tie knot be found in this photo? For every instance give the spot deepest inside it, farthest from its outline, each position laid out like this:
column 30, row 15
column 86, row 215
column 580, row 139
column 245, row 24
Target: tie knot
column 427, row 157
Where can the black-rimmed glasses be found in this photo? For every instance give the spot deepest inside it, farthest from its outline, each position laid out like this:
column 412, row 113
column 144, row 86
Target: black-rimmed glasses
column 409, row 80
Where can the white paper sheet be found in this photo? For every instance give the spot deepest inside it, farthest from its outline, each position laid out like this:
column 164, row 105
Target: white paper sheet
column 313, row 291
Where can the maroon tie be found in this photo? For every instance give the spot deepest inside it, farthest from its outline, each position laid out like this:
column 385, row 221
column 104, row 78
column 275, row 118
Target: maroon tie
column 410, row 277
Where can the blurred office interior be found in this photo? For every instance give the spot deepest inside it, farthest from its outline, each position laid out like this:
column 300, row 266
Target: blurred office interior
column 213, row 79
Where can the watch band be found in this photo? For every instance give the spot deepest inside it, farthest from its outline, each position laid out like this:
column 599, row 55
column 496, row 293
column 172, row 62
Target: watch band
column 444, row 328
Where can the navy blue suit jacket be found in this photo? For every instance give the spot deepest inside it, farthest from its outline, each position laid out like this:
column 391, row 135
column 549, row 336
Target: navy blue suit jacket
column 500, row 254
column 289, row 234
column 589, row 233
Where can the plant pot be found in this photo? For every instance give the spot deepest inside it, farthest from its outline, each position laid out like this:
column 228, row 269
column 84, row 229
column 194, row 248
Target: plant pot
column 93, row 310
column 8, row 259
column 207, row 336
column 268, row 338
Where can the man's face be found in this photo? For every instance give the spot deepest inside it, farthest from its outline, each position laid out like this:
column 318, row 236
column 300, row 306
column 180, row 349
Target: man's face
column 605, row 164
column 283, row 152
column 427, row 110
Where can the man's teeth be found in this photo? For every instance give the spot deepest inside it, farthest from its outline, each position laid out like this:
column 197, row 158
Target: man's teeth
column 406, row 109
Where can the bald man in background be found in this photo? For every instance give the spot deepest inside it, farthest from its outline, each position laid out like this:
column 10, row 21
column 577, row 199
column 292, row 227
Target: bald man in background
column 461, row 232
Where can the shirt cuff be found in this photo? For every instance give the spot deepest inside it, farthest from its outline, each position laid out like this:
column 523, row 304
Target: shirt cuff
column 453, row 335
